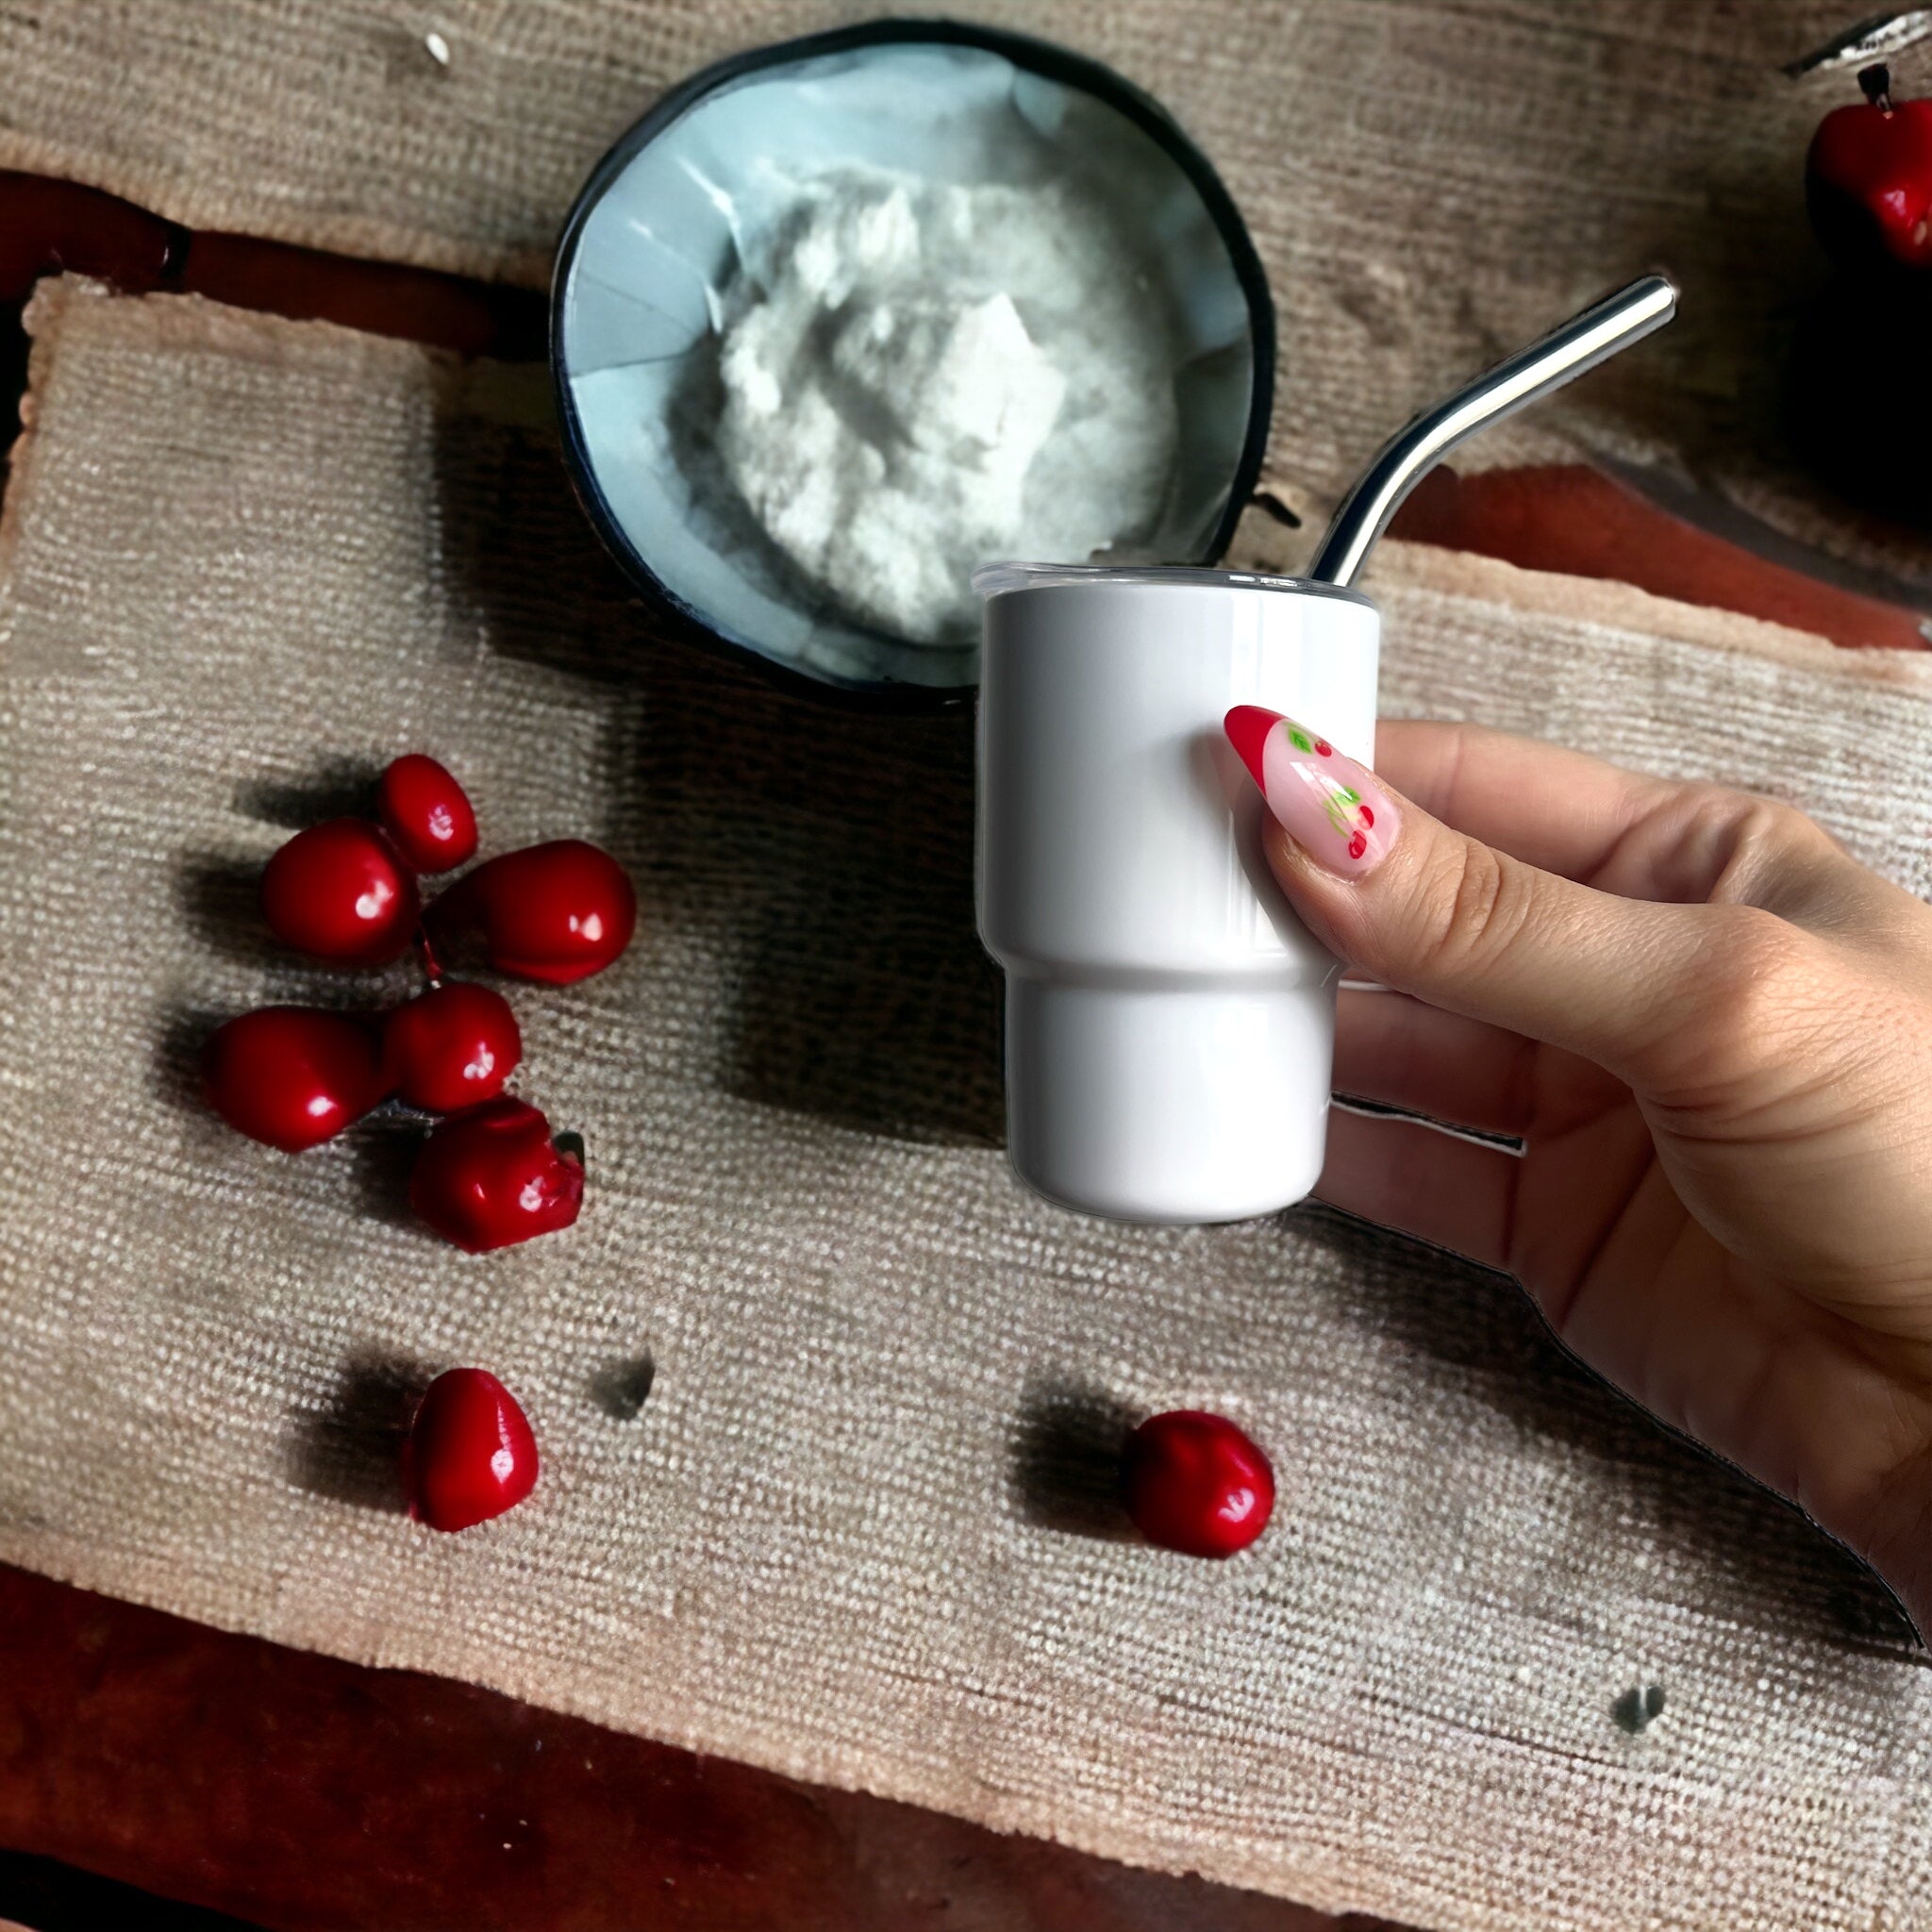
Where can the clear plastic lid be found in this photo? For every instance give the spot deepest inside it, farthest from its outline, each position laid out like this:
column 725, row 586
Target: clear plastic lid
column 994, row 580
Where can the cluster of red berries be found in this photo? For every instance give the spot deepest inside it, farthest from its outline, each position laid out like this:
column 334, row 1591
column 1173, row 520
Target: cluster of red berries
column 490, row 1173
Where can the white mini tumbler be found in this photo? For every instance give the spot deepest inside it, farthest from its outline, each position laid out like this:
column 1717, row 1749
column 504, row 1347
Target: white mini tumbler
column 1169, row 1022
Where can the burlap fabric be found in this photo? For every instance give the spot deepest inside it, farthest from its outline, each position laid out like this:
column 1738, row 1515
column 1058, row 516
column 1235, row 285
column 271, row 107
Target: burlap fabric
column 858, row 1530
column 1430, row 182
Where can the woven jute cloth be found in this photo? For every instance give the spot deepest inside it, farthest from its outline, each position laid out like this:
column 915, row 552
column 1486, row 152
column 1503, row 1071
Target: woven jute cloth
column 859, row 1529
column 1430, row 183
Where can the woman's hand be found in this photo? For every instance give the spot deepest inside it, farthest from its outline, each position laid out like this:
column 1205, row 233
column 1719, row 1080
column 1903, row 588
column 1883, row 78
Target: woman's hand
column 1711, row 1029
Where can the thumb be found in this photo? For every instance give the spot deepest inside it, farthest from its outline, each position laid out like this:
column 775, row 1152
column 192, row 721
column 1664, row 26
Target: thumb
column 1426, row 909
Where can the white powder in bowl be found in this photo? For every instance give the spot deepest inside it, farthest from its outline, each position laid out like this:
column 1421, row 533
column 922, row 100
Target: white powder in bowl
column 920, row 376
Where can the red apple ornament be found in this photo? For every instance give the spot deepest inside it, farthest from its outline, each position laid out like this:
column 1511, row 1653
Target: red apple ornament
column 1868, row 181
column 342, row 892
column 493, row 1176
column 555, row 912
column 292, row 1076
column 470, row 1454
column 1194, row 1483
column 427, row 814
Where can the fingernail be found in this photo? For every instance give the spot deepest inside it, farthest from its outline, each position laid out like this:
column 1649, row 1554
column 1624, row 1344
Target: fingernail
column 1331, row 806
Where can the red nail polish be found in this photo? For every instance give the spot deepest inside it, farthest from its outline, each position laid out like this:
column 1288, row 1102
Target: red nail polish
column 1330, row 805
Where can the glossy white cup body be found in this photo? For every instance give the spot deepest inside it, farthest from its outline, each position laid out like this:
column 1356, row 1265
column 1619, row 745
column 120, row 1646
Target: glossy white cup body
column 1170, row 1023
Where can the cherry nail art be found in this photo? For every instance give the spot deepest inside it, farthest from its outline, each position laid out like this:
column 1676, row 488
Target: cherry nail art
column 1330, row 805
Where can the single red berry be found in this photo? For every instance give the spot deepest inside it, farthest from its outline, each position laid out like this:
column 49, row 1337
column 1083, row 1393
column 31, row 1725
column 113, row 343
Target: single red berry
column 427, row 814
column 469, row 1454
column 1868, row 181
column 1356, row 844
column 342, row 892
column 292, row 1076
column 1325, row 748
column 492, row 1176
column 451, row 1047
column 555, row 912
column 1194, row 1483
column 1365, row 814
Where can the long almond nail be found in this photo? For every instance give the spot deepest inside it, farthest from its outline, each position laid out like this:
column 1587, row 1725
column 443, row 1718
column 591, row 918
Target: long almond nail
column 1331, row 806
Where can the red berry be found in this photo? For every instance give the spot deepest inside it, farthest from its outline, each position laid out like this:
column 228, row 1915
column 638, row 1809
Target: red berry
column 450, row 1047
column 469, row 1454
column 427, row 814
column 1868, row 181
column 342, row 892
column 492, row 1176
column 292, row 1076
column 555, row 912
column 1195, row 1483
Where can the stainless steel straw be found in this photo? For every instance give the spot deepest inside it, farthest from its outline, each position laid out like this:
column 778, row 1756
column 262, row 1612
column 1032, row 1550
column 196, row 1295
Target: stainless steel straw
column 1581, row 343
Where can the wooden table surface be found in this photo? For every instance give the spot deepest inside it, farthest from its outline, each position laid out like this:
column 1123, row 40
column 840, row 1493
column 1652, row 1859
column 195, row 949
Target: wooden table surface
column 295, row 1792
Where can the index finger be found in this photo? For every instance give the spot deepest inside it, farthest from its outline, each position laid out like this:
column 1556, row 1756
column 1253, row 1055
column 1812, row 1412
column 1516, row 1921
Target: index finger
column 1559, row 811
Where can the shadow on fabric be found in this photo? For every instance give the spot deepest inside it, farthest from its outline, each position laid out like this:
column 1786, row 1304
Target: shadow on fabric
column 1478, row 1332
column 826, row 855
